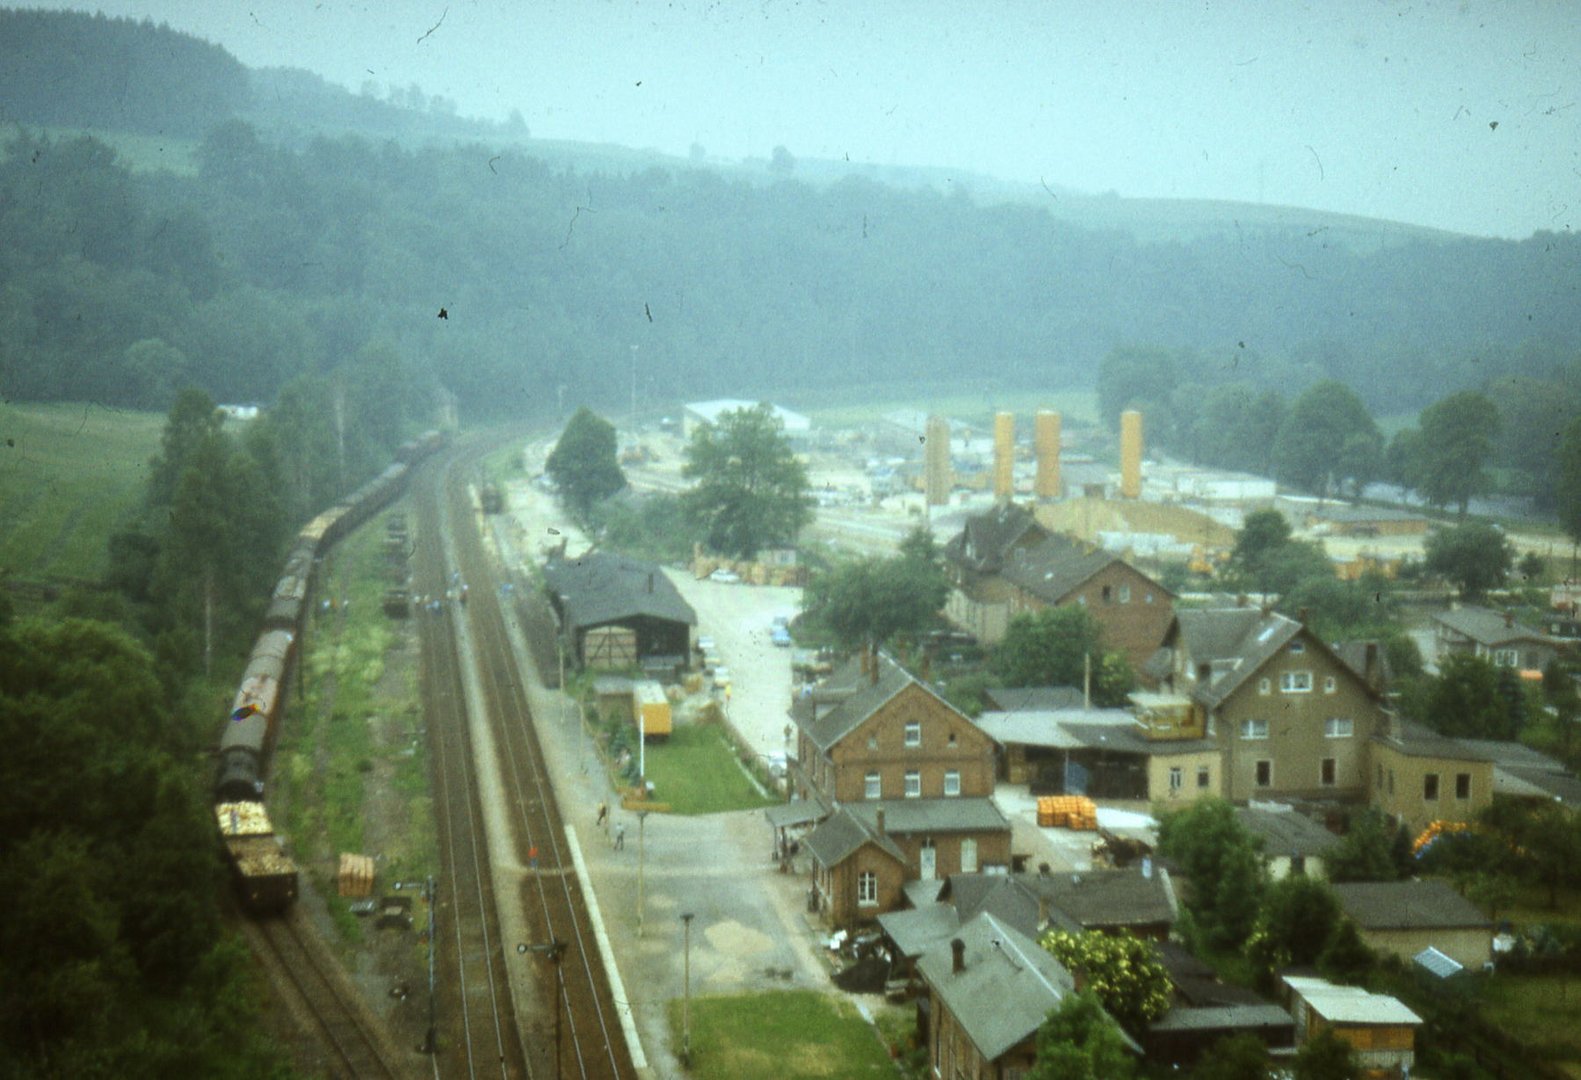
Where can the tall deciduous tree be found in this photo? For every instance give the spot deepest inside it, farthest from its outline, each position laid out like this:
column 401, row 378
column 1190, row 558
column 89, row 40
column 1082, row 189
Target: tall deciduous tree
column 1079, row 1041
column 1123, row 970
column 871, row 600
column 1465, row 700
column 1475, row 556
column 583, row 464
column 751, row 490
column 1054, row 647
column 1457, row 437
column 1328, row 441
column 1222, row 861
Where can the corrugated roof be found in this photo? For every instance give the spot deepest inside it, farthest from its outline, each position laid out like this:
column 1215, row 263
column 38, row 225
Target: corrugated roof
column 1006, row 988
column 1436, row 963
column 1350, row 1004
column 1034, row 698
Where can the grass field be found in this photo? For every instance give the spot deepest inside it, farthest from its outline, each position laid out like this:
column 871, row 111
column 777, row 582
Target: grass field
column 697, row 772
column 69, row 475
column 767, row 1034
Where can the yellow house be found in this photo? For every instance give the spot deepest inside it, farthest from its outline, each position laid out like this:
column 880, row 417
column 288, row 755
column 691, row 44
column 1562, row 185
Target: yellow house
column 1420, row 776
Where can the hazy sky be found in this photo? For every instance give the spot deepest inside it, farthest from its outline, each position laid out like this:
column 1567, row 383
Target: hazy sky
column 1463, row 116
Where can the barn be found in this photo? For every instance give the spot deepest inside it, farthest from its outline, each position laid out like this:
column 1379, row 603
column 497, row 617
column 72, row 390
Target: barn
column 618, row 612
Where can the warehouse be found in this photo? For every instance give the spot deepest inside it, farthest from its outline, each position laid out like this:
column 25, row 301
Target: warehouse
column 617, row 612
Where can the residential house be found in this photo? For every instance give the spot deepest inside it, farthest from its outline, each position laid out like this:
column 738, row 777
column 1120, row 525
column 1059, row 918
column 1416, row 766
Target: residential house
column 1004, row 564
column 1292, row 843
column 1420, row 776
column 1494, row 636
column 865, row 852
column 905, row 778
column 989, row 989
column 1405, row 917
column 1519, row 772
column 1205, row 1009
column 1379, row 1028
column 1291, row 719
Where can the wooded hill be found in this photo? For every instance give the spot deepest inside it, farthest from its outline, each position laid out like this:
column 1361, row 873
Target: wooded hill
column 290, row 249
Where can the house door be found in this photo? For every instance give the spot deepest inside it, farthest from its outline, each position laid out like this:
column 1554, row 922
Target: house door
column 928, row 857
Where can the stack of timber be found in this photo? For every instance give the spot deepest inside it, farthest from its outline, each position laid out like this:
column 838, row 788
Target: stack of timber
column 1067, row 812
column 355, row 879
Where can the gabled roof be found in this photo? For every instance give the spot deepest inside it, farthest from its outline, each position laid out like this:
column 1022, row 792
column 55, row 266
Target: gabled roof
column 841, row 835
column 1408, row 905
column 857, row 696
column 1235, row 642
column 985, row 539
column 1488, row 627
column 602, row 587
column 904, row 817
column 1093, row 900
column 1006, row 988
column 1040, row 698
column 1286, row 832
column 918, row 930
column 1055, row 567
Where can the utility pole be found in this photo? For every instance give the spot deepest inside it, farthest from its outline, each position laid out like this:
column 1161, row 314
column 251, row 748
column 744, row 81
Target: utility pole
column 642, row 821
column 686, row 995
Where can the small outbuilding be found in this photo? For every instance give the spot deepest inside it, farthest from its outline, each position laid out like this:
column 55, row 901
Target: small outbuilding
column 619, row 612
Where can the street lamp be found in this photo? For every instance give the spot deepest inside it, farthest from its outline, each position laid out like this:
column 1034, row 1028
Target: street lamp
column 642, row 821
column 686, row 998
column 554, row 950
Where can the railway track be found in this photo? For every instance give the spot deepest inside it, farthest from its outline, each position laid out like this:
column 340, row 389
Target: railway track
column 583, row 1038
column 323, row 1002
column 475, row 1033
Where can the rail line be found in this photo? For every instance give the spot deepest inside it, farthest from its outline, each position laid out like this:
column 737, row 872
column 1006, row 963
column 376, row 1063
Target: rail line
column 294, row 960
column 476, row 1032
column 591, row 1043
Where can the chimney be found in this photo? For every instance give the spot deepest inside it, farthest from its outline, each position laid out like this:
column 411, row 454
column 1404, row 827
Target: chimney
column 1301, row 615
column 1509, row 618
column 878, row 821
column 958, row 951
column 1371, row 669
column 874, row 665
column 650, row 581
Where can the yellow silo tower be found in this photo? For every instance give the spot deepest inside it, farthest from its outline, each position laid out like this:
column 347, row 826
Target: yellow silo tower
column 1131, row 454
column 1004, row 456
column 938, row 477
column 1045, row 436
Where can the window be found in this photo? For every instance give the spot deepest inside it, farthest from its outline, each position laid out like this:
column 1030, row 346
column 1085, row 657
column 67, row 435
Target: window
column 952, row 781
column 1108, row 594
column 952, row 740
column 1265, row 773
column 1298, row 865
column 867, row 889
column 913, row 784
column 1263, row 686
column 1254, row 729
column 1297, row 648
column 1328, row 684
column 1204, row 777
column 968, row 856
column 1125, row 594
column 1430, row 787
column 1339, row 727
column 1506, row 658
column 1295, row 682
column 1176, row 780
column 872, row 742
column 1327, row 770
column 1147, row 598
column 913, row 732
column 1463, row 785
column 872, row 787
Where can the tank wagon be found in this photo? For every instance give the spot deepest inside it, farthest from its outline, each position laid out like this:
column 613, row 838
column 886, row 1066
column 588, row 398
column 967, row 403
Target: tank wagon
column 266, row 877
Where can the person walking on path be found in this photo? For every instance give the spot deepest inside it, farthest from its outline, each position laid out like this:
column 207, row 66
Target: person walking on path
column 620, row 837
column 603, row 813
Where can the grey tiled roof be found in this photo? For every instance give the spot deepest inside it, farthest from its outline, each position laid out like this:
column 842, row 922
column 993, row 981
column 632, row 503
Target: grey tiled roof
column 841, row 835
column 1040, row 698
column 984, row 539
column 917, row 930
column 1286, row 832
column 1419, row 740
column 857, row 696
column 601, row 587
column 1408, row 905
column 1236, row 641
column 1097, row 899
column 1052, row 569
column 1489, row 627
column 1006, row 989
column 907, row 816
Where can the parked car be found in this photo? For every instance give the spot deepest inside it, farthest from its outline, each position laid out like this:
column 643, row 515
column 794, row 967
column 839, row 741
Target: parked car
column 724, row 577
column 781, row 637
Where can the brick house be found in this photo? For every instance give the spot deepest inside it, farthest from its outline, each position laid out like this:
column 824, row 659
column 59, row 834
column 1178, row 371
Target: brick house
column 872, row 730
column 1290, row 717
column 1004, row 564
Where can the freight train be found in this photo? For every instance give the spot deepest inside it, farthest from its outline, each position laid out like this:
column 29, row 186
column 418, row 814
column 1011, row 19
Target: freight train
column 265, row 875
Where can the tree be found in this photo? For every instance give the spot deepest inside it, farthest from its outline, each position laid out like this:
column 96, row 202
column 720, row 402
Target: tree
column 781, row 162
column 751, row 489
column 583, row 464
column 1079, row 1041
column 1053, row 647
column 1345, row 957
column 870, row 601
column 1328, row 439
column 1465, row 700
column 1475, row 556
column 1567, row 495
column 1237, row 1057
column 1263, row 533
column 1366, row 852
column 1123, row 970
column 1457, row 436
column 193, row 420
column 1298, row 917
column 1222, row 863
